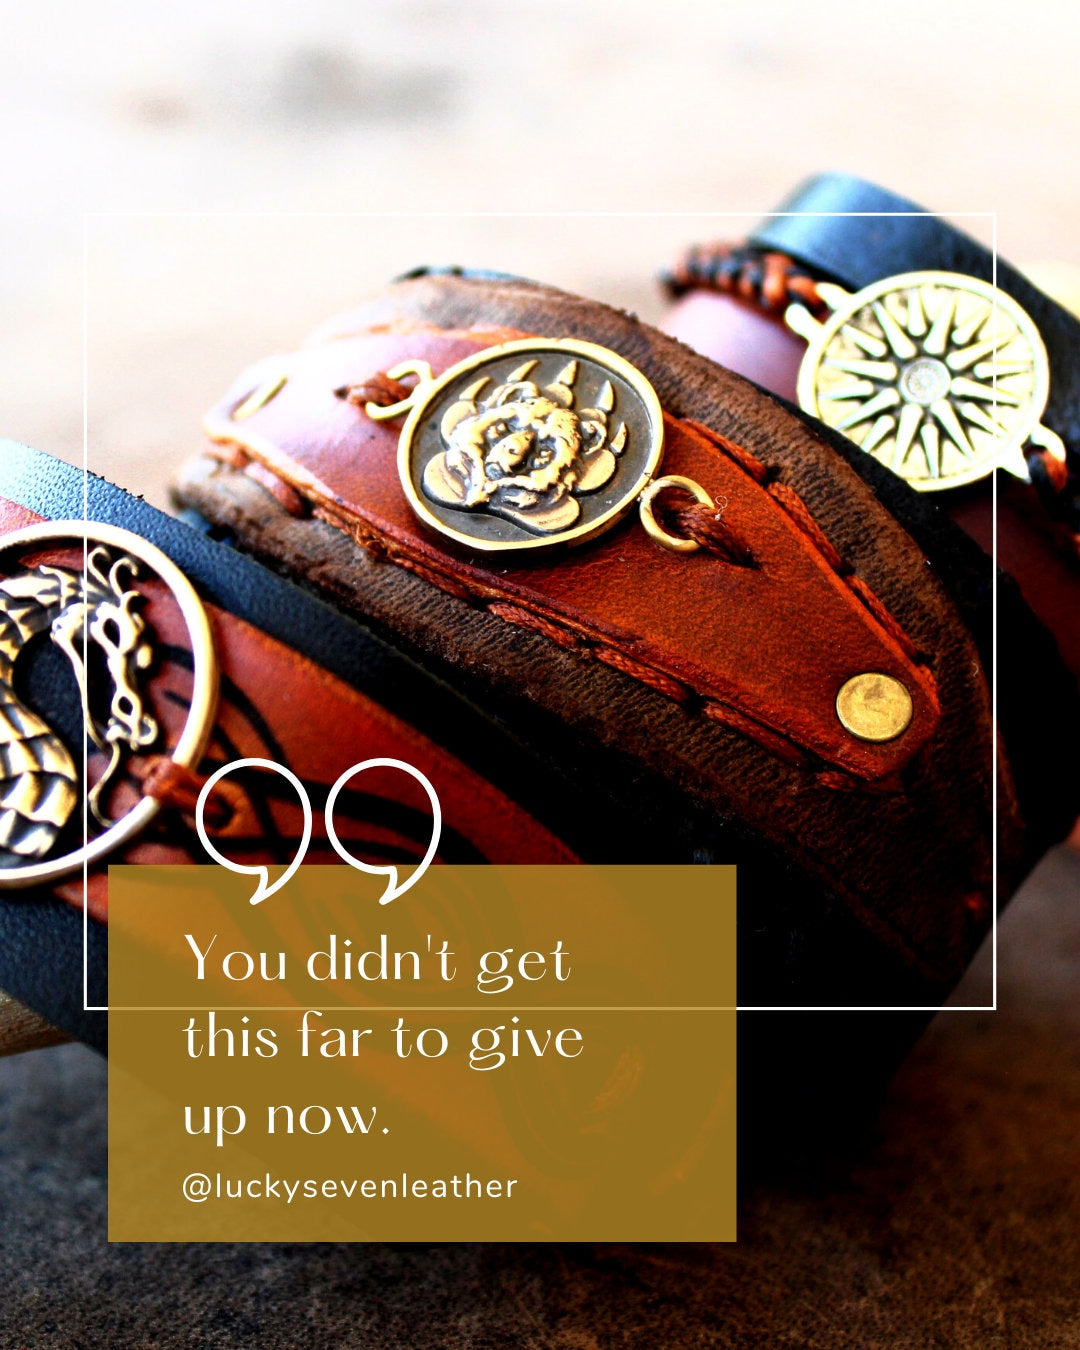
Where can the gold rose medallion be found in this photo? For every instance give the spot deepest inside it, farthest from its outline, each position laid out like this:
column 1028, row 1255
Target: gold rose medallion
column 527, row 444
column 941, row 377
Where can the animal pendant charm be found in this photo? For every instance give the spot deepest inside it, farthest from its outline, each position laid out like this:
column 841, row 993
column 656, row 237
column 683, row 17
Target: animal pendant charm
column 527, row 444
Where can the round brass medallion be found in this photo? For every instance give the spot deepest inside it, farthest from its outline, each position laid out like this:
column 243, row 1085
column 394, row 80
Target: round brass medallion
column 939, row 376
column 530, row 444
column 92, row 612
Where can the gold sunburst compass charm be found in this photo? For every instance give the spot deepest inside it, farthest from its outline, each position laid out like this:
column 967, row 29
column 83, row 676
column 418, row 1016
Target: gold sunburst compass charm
column 941, row 377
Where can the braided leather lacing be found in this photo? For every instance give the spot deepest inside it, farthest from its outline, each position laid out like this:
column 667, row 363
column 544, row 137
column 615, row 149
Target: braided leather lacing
column 771, row 281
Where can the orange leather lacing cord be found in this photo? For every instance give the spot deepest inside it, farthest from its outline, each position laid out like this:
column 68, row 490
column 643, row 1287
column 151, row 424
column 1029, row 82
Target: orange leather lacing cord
column 227, row 810
column 689, row 519
column 379, row 389
column 769, row 281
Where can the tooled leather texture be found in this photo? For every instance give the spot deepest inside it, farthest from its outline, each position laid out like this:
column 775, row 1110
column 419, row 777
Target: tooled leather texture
column 276, row 704
column 858, row 882
column 728, row 637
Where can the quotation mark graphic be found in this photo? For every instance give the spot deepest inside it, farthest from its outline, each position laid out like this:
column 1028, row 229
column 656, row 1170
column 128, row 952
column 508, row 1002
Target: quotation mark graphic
column 393, row 889
column 265, row 886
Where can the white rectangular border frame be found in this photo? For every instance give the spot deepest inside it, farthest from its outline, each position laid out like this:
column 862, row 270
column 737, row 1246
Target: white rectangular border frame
column 991, row 216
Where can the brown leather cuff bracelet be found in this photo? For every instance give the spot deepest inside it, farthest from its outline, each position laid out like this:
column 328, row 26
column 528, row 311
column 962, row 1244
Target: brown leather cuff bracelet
column 504, row 454
column 138, row 658
column 217, row 690
column 712, row 674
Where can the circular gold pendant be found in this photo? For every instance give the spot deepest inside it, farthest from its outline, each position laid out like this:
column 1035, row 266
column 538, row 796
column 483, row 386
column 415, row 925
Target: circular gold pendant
column 530, row 444
column 941, row 377
column 89, row 600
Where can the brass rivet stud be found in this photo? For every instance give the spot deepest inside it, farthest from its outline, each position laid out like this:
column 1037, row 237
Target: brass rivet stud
column 874, row 707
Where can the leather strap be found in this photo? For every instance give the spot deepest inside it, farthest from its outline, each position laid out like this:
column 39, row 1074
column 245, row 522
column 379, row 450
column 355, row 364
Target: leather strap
column 852, row 232
column 277, row 704
column 844, row 897
column 704, row 628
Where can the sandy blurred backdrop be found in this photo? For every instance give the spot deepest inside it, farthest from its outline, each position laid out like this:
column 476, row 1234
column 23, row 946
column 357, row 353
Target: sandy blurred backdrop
column 253, row 168
column 435, row 107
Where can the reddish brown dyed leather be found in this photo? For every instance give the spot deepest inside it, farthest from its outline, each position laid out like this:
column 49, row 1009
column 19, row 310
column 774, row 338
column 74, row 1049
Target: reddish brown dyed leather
column 319, row 727
column 765, row 648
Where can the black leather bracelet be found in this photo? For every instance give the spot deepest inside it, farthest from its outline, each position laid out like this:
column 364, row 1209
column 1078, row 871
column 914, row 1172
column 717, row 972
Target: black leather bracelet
column 852, row 233
column 940, row 360
column 41, row 929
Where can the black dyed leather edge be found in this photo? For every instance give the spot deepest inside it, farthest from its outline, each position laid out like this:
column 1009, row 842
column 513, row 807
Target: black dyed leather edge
column 41, row 938
column 1038, row 701
column 41, row 963
column 301, row 621
column 854, row 233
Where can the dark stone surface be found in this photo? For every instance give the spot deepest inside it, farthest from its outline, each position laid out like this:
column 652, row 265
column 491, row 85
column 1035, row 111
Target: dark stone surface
column 957, row 1225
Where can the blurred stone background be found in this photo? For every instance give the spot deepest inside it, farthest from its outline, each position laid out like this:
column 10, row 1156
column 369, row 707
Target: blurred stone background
column 425, row 106
column 249, row 170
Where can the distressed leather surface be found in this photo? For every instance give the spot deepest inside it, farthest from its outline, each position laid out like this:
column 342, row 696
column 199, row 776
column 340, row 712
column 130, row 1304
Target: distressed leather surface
column 696, row 626
column 275, row 703
column 884, row 884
